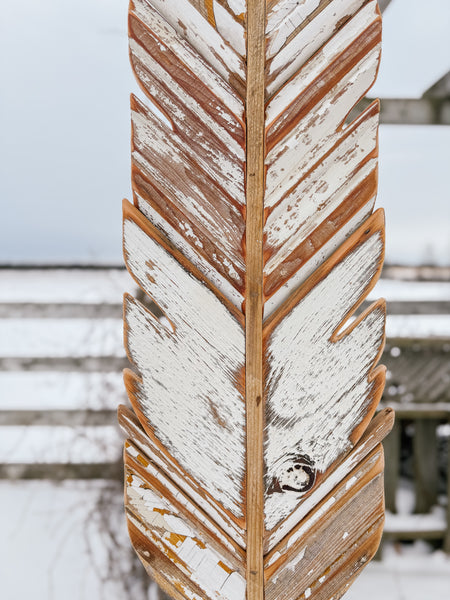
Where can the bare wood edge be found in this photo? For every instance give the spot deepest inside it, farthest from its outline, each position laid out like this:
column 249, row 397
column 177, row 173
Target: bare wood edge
column 255, row 187
column 379, row 427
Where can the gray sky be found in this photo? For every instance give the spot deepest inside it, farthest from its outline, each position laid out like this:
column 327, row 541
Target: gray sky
column 64, row 117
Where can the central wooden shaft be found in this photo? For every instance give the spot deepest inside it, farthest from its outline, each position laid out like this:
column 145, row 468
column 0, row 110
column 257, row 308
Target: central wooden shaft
column 254, row 295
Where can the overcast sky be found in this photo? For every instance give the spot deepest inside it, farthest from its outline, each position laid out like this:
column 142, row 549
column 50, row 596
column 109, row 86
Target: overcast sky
column 64, row 162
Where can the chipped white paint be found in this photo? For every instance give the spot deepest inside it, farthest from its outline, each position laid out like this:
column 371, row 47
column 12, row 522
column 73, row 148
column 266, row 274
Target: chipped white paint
column 190, row 25
column 281, row 11
column 292, row 565
column 188, row 56
column 239, row 7
column 313, row 69
column 231, row 30
column 345, row 535
column 223, row 169
column 213, row 152
column 273, row 559
column 204, row 565
column 318, row 389
column 190, row 376
column 350, row 483
column 317, row 259
column 317, row 133
column 308, row 592
column 185, row 185
column 184, row 500
column 320, row 193
column 314, row 34
column 167, row 465
column 190, row 251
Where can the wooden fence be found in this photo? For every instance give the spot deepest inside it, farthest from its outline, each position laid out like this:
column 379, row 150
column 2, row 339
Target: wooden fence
column 61, row 357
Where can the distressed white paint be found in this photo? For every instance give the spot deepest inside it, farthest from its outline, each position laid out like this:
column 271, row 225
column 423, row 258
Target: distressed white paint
column 223, row 168
column 239, row 7
column 318, row 132
column 183, row 184
column 283, row 293
column 317, row 390
column 205, row 566
column 281, row 10
column 190, row 104
column 189, row 249
column 318, row 195
column 191, row 25
column 323, row 58
column 188, row 56
column 211, row 151
column 189, row 375
column 167, row 465
column 178, row 494
column 231, row 30
column 296, row 52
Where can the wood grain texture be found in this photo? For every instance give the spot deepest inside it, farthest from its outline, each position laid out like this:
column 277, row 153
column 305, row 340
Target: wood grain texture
column 251, row 449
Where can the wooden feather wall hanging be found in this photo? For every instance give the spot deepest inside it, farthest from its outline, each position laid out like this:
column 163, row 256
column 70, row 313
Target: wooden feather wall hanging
column 254, row 468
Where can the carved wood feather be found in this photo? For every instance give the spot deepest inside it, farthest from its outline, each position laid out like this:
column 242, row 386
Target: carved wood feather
column 253, row 464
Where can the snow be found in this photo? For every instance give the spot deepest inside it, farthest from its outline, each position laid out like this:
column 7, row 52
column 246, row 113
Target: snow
column 56, row 338
column 418, row 291
column 94, row 286
column 418, row 326
column 60, row 444
column 66, row 541
column 49, row 390
column 407, row 572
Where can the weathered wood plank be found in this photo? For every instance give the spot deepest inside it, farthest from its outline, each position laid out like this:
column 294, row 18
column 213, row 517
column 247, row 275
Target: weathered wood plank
column 375, row 433
column 296, row 377
column 200, row 35
column 158, row 456
column 254, row 301
column 305, row 559
column 197, row 400
column 425, row 464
